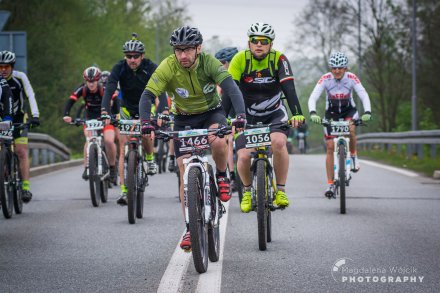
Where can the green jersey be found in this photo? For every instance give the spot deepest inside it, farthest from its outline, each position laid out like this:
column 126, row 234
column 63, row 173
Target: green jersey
column 193, row 90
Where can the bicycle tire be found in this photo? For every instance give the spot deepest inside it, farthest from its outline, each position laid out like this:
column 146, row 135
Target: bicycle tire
column 239, row 186
column 131, row 183
column 213, row 228
column 94, row 180
column 261, row 195
column 341, row 153
column 269, row 226
column 104, row 183
column 159, row 156
column 18, row 189
column 197, row 225
column 6, row 196
column 140, row 205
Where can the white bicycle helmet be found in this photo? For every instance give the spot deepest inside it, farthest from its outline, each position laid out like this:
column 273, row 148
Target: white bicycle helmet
column 134, row 45
column 337, row 59
column 261, row 29
column 7, row 57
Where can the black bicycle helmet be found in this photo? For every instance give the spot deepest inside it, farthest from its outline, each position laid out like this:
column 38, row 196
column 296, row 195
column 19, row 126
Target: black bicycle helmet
column 7, row 57
column 134, row 45
column 186, row 36
column 226, row 54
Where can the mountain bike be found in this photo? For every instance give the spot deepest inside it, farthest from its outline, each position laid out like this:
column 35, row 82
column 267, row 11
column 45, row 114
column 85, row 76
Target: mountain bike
column 263, row 181
column 341, row 156
column 96, row 161
column 203, row 209
column 162, row 149
column 135, row 175
column 10, row 175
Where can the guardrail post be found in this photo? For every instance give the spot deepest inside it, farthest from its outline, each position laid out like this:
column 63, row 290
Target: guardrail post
column 399, row 148
column 35, row 157
column 44, row 157
column 409, row 150
column 419, row 148
column 433, row 148
column 51, row 157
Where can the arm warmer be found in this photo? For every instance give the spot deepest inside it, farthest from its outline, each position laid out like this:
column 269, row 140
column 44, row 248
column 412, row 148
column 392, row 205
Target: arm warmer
column 232, row 95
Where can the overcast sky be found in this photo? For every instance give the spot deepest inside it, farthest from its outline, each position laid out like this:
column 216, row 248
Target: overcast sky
column 230, row 19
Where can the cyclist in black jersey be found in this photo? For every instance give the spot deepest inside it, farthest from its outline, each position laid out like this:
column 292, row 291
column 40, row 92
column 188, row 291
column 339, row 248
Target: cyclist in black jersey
column 5, row 100
column 263, row 75
column 132, row 74
column 21, row 90
column 92, row 93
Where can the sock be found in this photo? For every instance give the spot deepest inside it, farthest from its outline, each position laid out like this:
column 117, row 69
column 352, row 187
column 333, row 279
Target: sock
column 149, row 157
column 123, row 188
column 329, row 181
column 26, row 185
column 232, row 175
column 223, row 174
column 247, row 188
column 281, row 187
column 353, row 154
column 172, row 157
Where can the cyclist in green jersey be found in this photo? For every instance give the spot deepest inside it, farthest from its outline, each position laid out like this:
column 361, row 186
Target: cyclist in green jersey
column 190, row 77
column 263, row 75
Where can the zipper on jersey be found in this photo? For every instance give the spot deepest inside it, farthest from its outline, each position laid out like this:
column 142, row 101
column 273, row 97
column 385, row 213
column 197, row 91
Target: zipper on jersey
column 190, row 79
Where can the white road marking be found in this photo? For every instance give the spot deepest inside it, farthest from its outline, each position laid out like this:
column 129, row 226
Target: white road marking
column 173, row 278
column 211, row 281
column 394, row 169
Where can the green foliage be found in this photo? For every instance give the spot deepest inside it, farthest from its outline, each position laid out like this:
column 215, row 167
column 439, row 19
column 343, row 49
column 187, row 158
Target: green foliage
column 65, row 37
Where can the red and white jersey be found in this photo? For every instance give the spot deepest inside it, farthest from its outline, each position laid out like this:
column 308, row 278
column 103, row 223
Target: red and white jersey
column 339, row 93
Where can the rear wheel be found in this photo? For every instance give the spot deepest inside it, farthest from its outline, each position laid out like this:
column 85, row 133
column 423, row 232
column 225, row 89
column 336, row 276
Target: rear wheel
column 94, row 180
column 342, row 158
column 18, row 191
column 6, row 194
column 106, row 182
column 214, row 225
column 131, row 182
column 262, row 209
column 197, row 226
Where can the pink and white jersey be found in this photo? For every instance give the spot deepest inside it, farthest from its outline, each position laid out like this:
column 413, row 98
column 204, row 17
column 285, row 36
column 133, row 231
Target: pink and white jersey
column 339, row 93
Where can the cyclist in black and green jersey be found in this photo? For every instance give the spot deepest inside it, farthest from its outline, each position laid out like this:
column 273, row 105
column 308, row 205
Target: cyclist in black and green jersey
column 263, row 74
column 190, row 77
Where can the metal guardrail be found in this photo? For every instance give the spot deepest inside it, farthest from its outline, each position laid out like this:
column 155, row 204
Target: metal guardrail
column 45, row 149
column 414, row 141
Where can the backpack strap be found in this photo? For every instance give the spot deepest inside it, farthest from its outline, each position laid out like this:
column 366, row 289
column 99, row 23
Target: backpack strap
column 248, row 66
column 272, row 57
column 271, row 61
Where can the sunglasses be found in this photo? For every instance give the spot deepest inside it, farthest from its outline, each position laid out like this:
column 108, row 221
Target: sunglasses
column 136, row 56
column 262, row 41
column 336, row 68
column 184, row 50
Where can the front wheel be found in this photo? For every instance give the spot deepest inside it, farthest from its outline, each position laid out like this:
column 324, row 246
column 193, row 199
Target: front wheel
column 131, row 182
column 18, row 190
column 6, row 194
column 262, row 206
column 106, row 182
column 197, row 225
column 94, row 180
column 341, row 152
column 214, row 224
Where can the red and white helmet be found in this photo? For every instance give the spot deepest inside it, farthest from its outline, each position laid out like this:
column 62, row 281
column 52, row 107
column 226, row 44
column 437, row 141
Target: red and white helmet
column 92, row 74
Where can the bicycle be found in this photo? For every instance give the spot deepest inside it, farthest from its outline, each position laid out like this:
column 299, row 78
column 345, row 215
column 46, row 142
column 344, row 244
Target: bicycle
column 135, row 175
column 263, row 181
column 341, row 157
column 203, row 209
column 162, row 149
column 96, row 161
column 10, row 175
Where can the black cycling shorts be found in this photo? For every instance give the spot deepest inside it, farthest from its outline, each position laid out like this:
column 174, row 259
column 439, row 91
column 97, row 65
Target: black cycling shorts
column 279, row 115
column 347, row 114
column 197, row 121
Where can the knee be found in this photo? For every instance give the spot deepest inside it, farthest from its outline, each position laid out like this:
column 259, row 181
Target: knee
column 279, row 145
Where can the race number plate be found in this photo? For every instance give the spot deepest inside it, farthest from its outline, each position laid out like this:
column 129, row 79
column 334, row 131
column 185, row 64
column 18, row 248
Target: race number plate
column 130, row 127
column 7, row 134
column 339, row 128
column 190, row 139
column 94, row 125
column 257, row 137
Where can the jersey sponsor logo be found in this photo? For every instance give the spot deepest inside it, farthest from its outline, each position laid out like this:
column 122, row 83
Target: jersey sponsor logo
column 324, row 77
column 182, row 92
column 353, row 77
column 222, row 69
column 339, row 96
column 248, row 79
column 208, row 88
column 261, row 80
column 286, row 67
column 156, row 81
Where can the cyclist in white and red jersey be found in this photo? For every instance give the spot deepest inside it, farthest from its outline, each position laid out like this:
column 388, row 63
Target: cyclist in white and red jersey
column 339, row 84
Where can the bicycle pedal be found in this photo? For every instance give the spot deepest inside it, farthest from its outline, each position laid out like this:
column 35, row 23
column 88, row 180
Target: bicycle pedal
column 186, row 249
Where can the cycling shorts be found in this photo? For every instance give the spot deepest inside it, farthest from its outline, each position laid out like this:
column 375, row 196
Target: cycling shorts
column 348, row 114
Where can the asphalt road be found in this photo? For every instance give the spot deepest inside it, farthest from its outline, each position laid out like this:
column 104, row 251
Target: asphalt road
column 388, row 241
